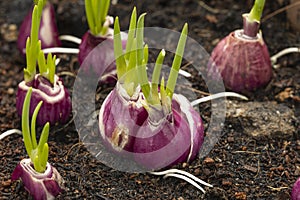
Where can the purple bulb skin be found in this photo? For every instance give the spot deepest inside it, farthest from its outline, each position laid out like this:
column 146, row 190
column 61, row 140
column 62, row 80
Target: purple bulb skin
column 94, row 58
column 48, row 32
column 56, row 99
column 155, row 140
column 42, row 186
column 295, row 195
column 243, row 62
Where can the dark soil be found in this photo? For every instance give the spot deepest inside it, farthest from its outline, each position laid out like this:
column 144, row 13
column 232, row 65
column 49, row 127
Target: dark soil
column 240, row 166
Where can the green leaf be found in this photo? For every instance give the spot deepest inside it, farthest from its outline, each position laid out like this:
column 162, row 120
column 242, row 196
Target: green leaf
column 177, row 61
column 96, row 12
column 257, row 10
column 90, row 17
column 42, row 63
column 25, row 123
column 33, row 123
column 52, row 67
column 118, row 50
column 44, row 156
column 104, row 10
column 44, row 138
column 141, row 66
column 140, row 39
column 36, row 164
column 131, row 33
column 156, row 75
column 33, row 45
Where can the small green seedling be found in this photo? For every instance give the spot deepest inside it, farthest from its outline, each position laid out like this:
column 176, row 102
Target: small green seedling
column 38, row 152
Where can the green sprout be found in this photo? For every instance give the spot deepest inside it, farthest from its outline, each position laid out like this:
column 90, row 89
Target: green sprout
column 37, row 1
column 34, row 53
column 38, row 152
column 47, row 68
column 96, row 13
column 33, row 45
column 132, row 64
column 256, row 11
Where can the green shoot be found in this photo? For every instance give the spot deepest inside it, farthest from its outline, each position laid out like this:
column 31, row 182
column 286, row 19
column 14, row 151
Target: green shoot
column 256, row 11
column 37, row 1
column 133, row 63
column 135, row 58
column 96, row 13
column 34, row 53
column 47, row 68
column 131, row 33
column 33, row 45
column 177, row 62
column 156, row 75
column 38, row 153
column 142, row 58
column 118, row 51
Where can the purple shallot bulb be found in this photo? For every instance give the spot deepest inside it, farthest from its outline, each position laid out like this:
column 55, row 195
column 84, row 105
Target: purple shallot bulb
column 242, row 58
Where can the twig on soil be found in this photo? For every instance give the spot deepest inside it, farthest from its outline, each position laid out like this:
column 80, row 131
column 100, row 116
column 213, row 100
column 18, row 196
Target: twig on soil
column 277, row 189
column 276, row 12
column 250, row 152
column 67, row 124
column 10, row 132
column 210, row 9
column 73, row 146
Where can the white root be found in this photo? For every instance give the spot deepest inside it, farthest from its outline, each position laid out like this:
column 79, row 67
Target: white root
column 281, row 53
column 218, row 95
column 184, row 176
column 70, row 38
column 184, row 73
column 10, row 132
column 61, row 50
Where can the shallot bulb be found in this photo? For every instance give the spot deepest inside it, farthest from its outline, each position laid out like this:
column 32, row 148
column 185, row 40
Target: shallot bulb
column 47, row 86
column 99, row 31
column 57, row 104
column 42, row 186
column 242, row 58
column 154, row 139
column 145, row 121
column 295, row 195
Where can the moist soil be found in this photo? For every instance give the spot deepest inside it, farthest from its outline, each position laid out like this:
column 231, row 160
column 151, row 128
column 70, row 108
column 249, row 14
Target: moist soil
column 257, row 155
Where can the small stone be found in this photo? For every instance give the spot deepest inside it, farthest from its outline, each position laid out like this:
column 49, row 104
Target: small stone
column 197, row 172
column 206, row 172
column 230, row 139
column 6, row 183
column 226, row 183
column 240, row 195
column 10, row 91
column 208, row 160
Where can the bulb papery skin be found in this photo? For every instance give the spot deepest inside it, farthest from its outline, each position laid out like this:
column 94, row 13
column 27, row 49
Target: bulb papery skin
column 99, row 59
column 295, row 195
column 48, row 31
column 56, row 99
column 42, row 186
column 153, row 140
column 242, row 61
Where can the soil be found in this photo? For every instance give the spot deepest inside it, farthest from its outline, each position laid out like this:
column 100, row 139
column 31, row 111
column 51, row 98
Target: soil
column 242, row 165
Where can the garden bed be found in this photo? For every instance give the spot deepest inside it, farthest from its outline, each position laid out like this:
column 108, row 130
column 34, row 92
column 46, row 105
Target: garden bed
column 241, row 165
